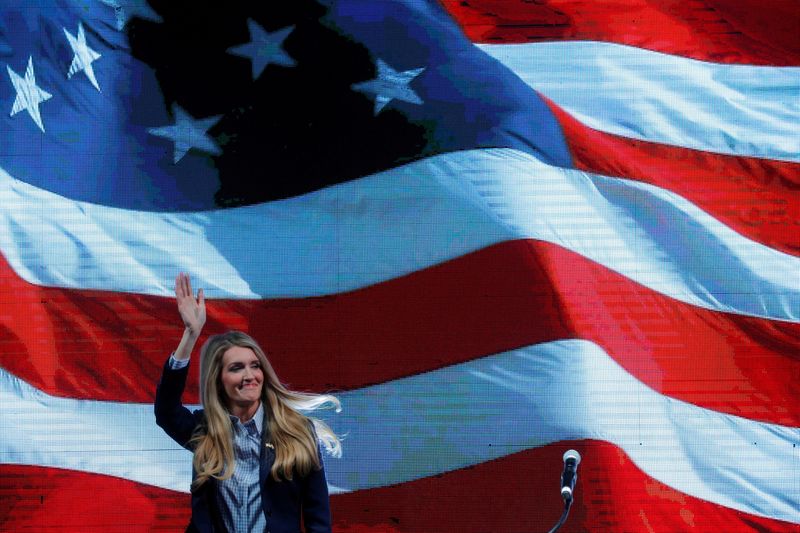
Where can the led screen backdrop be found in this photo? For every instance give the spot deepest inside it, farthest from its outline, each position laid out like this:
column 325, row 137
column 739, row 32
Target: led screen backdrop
column 496, row 230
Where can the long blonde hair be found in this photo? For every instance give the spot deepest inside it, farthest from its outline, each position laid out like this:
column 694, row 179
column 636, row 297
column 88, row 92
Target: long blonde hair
column 290, row 431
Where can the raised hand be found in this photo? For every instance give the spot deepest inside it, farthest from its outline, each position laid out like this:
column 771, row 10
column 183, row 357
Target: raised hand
column 192, row 311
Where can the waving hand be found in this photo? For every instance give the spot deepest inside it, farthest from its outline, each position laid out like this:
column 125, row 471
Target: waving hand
column 192, row 311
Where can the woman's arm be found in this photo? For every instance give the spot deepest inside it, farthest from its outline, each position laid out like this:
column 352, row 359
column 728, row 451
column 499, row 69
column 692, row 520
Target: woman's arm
column 177, row 421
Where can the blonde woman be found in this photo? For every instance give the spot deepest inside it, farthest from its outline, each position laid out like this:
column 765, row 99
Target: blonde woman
column 257, row 464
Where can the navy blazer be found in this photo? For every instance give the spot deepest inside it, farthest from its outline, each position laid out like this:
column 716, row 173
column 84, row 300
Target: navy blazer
column 284, row 502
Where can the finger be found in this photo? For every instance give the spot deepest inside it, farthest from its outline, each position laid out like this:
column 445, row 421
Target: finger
column 201, row 298
column 179, row 285
column 189, row 286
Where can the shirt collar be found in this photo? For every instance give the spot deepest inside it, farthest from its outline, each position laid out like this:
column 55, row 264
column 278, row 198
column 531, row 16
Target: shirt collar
column 258, row 418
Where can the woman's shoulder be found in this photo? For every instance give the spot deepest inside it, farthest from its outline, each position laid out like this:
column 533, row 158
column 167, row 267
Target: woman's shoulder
column 200, row 416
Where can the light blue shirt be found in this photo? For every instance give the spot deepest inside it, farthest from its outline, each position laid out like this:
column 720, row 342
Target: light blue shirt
column 239, row 497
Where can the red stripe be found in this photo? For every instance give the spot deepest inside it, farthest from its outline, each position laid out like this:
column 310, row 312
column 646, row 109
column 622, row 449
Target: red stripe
column 519, row 493
column 38, row 499
column 758, row 32
column 110, row 346
column 758, row 198
column 513, row 494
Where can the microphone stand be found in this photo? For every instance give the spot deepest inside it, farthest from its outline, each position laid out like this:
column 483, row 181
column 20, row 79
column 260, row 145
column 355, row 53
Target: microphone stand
column 567, row 505
column 568, row 479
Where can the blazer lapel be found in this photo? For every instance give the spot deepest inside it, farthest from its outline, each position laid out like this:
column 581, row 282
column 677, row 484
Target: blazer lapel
column 267, row 452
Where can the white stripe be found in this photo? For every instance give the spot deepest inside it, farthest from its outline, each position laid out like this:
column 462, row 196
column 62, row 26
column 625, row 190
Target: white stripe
column 396, row 222
column 730, row 109
column 449, row 419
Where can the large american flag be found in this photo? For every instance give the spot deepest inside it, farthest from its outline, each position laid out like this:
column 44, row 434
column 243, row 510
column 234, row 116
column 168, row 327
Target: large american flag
column 495, row 229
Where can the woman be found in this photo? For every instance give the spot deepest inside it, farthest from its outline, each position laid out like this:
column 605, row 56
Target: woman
column 257, row 465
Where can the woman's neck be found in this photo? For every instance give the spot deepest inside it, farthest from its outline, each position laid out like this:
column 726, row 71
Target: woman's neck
column 244, row 412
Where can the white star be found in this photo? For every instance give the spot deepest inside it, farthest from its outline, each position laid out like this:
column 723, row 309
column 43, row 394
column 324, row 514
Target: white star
column 29, row 96
column 391, row 85
column 125, row 10
column 188, row 132
column 264, row 48
column 84, row 56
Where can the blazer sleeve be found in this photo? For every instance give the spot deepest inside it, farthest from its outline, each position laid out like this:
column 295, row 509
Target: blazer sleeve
column 316, row 503
column 175, row 419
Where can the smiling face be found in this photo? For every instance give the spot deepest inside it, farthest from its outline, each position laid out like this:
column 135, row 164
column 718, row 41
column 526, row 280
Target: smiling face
column 242, row 377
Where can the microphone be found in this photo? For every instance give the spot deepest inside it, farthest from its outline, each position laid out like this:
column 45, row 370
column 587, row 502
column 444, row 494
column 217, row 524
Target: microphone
column 570, row 475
